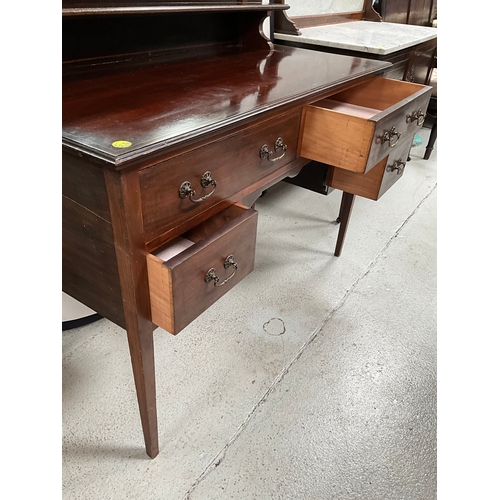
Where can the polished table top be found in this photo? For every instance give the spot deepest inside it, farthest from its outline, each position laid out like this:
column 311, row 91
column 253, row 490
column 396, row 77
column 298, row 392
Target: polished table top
column 157, row 107
column 364, row 36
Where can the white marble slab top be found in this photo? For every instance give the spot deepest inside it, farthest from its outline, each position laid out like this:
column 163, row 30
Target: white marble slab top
column 364, row 36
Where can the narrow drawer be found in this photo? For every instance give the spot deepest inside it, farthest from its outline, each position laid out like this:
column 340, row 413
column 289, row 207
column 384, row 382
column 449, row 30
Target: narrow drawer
column 178, row 189
column 190, row 273
column 357, row 128
column 378, row 180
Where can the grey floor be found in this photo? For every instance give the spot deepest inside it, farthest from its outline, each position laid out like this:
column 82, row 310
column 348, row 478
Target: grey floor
column 314, row 378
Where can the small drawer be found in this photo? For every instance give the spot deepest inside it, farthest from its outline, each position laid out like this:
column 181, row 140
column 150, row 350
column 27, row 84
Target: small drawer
column 378, row 180
column 178, row 189
column 357, row 128
column 190, row 273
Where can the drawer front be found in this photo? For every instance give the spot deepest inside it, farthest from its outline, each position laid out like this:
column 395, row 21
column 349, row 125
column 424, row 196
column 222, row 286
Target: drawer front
column 185, row 285
column 357, row 128
column 233, row 163
column 379, row 179
column 397, row 127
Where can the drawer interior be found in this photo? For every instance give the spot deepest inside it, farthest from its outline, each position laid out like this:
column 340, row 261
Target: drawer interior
column 369, row 98
column 347, row 108
column 182, row 246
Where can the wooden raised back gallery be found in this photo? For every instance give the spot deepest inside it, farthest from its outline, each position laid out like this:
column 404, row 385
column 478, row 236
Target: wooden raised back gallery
column 175, row 116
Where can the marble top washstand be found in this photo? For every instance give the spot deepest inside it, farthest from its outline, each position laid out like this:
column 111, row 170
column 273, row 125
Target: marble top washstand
column 363, row 36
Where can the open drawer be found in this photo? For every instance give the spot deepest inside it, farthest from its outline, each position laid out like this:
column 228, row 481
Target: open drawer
column 378, row 180
column 355, row 129
column 191, row 272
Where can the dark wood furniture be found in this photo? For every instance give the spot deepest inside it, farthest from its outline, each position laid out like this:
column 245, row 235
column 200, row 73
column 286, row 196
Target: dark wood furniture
column 420, row 13
column 432, row 110
column 415, row 12
column 175, row 115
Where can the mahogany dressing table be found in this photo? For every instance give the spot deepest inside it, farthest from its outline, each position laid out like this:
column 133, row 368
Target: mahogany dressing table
column 176, row 116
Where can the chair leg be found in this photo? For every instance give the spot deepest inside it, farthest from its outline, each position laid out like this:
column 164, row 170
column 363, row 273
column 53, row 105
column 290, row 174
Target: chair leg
column 432, row 140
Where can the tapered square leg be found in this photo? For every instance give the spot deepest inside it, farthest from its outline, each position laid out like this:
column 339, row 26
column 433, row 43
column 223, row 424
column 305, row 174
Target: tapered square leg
column 124, row 202
column 140, row 339
column 344, row 215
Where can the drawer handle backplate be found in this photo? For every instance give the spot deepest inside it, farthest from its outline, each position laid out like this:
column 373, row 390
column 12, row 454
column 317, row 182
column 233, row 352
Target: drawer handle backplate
column 398, row 165
column 416, row 115
column 279, row 144
column 392, row 136
column 187, row 191
column 211, row 274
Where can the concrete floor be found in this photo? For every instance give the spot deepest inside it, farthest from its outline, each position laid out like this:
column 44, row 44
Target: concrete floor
column 314, row 378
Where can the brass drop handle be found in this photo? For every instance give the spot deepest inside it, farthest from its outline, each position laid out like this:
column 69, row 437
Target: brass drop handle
column 187, row 191
column 392, row 136
column 416, row 115
column 278, row 144
column 211, row 274
column 398, row 165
